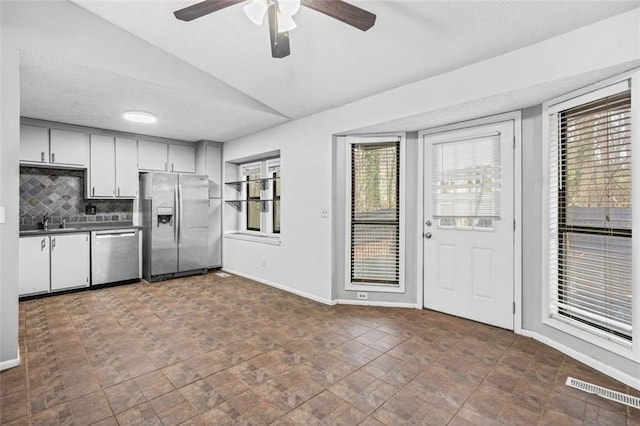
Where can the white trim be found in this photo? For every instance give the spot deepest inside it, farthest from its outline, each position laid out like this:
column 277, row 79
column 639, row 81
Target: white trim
column 596, row 91
column 374, row 303
column 282, row 287
column 382, row 138
column 10, row 363
column 516, row 117
column 623, row 377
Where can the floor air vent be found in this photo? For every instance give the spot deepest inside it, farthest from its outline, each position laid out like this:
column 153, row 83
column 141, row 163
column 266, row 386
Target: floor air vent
column 622, row 398
column 222, row 274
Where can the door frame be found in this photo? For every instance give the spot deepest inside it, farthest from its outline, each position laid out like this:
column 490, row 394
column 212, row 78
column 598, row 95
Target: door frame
column 516, row 117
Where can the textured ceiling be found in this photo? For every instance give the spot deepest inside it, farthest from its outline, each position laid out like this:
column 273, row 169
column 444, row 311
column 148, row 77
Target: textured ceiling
column 331, row 63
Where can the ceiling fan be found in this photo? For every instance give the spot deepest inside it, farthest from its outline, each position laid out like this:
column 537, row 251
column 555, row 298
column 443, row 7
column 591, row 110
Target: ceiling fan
column 279, row 14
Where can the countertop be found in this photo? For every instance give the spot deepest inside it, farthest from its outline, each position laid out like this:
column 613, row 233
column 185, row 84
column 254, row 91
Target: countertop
column 31, row 231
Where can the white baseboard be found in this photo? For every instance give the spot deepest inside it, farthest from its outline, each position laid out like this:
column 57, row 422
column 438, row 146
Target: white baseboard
column 374, row 303
column 5, row 365
column 282, row 287
column 625, row 378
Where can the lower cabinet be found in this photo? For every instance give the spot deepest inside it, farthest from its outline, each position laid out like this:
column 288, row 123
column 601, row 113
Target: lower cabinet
column 53, row 262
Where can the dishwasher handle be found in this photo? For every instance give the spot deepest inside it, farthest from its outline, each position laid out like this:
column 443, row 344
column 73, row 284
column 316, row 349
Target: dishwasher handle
column 116, row 234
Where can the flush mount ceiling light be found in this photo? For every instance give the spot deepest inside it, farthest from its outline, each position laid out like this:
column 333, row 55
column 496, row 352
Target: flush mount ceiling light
column 280, row 14
column 140, row 117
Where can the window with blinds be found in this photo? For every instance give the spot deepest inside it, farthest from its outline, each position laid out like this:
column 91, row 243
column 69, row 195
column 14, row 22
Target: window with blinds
column 466, row 182
column 375, row 213
column 590, row 217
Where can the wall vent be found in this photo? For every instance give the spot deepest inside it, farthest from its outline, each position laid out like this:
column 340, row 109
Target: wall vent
column 622, row 398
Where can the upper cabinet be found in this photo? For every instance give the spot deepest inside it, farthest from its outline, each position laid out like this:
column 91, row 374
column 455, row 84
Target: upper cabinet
column 152, row 156
column 68, row 148
column 213, row 169
column 54, row 147
column 182, row 159
column 34, row 144
column 113, row 171
column 159, row 156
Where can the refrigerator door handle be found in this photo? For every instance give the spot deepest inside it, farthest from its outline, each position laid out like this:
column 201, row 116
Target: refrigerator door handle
column 176, row 214
column 180, row 212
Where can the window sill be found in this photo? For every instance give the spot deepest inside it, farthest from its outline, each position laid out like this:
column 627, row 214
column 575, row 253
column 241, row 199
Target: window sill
column 374, row 288
column 600, row 339
column 256, row 238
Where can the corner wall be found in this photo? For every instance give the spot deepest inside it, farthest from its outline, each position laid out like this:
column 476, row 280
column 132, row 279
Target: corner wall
column 9, row 183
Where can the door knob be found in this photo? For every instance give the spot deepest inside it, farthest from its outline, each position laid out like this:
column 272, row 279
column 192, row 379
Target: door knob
column 428, row 223
column 427, row 234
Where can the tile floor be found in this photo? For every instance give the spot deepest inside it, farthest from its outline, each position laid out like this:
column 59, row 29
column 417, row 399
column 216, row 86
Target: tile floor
column 207, row 350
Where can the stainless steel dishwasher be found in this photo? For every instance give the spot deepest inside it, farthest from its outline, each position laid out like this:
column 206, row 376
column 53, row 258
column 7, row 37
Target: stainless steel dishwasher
column 114, row 256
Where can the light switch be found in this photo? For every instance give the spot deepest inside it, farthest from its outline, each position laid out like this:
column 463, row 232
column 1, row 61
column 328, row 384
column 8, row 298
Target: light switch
column 1, row 214
column 324, row 212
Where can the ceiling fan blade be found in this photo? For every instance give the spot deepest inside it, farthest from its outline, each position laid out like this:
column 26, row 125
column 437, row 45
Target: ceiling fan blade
column 279, row 41
column 343, row 11
column 203, row 8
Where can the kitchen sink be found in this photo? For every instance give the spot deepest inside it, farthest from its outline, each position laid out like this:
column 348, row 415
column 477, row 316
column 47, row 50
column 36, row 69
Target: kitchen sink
column 50, row 230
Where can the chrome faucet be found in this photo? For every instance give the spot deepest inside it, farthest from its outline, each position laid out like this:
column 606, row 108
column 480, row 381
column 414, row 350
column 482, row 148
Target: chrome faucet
column 45, row 221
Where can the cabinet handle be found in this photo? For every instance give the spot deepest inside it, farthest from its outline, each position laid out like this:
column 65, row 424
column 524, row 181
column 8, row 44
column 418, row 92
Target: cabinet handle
column 165, row 166
column 171, row 166
column 42, row 157
column 53, row 157
column 118, row 191
column 93, row 191
column 43, row 244
column 53, row 243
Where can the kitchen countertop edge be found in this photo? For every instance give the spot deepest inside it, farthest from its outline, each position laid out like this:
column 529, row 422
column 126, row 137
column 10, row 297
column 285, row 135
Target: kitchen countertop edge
column 56, row 231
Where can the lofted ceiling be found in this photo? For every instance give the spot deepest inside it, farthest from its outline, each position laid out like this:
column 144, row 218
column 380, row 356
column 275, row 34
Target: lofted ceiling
column 226, row 84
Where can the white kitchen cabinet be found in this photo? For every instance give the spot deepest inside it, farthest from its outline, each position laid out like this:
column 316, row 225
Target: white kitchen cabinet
column 215, row 233
column 182, row 159
column 126, row 168
column 102, row 169
column 34, row 144
column 68, row 148
column 33, row 264
column 69, row 261
column 152, row 156
column 213, row 169
column 113, row 168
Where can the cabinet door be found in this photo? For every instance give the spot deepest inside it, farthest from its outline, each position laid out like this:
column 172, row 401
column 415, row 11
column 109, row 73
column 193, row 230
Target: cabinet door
column 126, row 168
column 68, row 148
column 34, row 144
column 69, row 261
column 215, row 233
column 102, row 176
column 182, row 159
column 214, row 171
column 33, row 253
column 152, row 156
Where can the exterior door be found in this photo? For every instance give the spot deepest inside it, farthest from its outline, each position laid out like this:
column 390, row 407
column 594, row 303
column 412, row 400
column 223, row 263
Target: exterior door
column 468, row 223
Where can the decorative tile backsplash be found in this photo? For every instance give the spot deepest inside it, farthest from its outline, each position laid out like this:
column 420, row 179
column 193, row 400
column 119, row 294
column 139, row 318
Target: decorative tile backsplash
column 60, row 193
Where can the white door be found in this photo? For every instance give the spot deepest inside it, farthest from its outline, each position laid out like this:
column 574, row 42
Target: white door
column 182, row 159
column 69, row 261
column 126, row 168
column 468, row 223
column 68, row 147
column 152, row 156
column 34, row 144
column 102, row 171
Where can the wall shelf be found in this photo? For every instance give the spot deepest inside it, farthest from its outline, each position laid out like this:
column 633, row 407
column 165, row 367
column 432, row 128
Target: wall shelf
column 237, row 184
column 238, row 203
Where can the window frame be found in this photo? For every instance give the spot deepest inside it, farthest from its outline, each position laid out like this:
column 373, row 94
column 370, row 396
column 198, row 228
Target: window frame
column 363, row 286
column 266, row 203
column 551, row 168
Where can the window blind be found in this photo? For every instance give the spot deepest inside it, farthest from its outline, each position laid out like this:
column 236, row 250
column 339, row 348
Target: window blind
column 590, row 214
column 466, row 178
column 375, row 215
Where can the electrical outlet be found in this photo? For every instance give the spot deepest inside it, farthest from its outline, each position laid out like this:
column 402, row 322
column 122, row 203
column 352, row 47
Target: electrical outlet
column 324, row 212
column 362, row 295
column 264, row 261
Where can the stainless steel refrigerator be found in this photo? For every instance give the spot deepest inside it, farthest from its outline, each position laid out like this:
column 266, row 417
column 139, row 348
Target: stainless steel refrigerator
column 175, row 216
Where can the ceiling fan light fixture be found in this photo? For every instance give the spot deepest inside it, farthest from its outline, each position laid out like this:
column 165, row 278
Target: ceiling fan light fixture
column 285, row 23
column 140, row 117
column 289, row 7
column 255, row 10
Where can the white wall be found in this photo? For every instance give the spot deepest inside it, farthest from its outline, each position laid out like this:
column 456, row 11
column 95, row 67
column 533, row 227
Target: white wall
column 516, row 80
column 9, row 184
